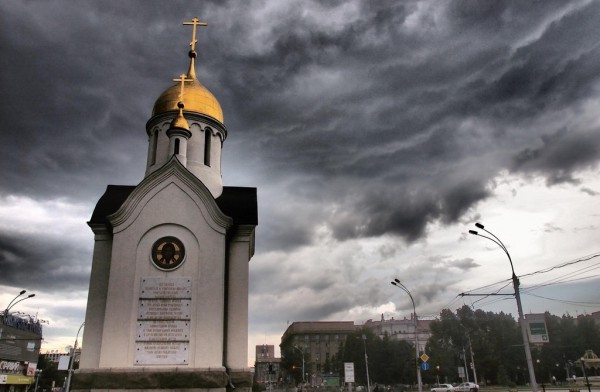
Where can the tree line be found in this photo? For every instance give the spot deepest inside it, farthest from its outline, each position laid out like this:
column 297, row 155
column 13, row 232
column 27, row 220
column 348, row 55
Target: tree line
column 494, row 338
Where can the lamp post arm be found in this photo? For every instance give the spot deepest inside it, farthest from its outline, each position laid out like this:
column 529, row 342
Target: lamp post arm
column 13, row 300
column 21, row 300
column 400, row 285
column 496, row 241
column 10, row 303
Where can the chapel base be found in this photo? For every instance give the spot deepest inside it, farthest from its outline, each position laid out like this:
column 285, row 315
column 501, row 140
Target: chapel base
column 146, row 379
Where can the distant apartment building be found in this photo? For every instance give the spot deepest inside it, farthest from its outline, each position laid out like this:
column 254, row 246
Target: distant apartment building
column 319, row 341
column 20, row 342
column 595, row 316
column 402, row 329
column 266, row 366
column 57, row 357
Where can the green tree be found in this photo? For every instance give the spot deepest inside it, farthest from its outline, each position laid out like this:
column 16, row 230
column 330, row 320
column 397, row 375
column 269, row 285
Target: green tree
column 390, row 361
column 50, row 375
column 494, row 338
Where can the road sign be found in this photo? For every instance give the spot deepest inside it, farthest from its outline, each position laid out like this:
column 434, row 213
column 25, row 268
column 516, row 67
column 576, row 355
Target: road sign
column 425, row 366
column 424, row 357
column 348, row 371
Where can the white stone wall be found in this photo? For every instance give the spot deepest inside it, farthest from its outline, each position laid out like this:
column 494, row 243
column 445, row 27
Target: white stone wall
column 166, row 208
column 94, row 316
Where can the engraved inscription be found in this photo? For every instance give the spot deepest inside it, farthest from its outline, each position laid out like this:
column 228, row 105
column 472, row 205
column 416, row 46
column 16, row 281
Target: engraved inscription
column 167, row 331
column 163, row 326
column 166, row 288
column 165, row 309
column 160, row 353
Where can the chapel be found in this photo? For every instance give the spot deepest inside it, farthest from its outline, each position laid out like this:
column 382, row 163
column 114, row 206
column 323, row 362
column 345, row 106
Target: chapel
column 167, row 306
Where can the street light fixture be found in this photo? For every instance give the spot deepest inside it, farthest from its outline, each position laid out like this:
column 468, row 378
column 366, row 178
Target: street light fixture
column 516, row 284
column 16, row 300
column 73, row 359
column 397, row 283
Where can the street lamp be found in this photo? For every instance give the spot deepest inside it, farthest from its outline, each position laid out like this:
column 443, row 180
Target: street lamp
column 396, row 282
column 14, row 301
column 302, row 353
column 516, row 284
column 73, row 359
column 364, row 339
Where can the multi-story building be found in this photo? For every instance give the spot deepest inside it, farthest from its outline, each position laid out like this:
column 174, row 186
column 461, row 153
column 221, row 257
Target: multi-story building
column 402, row 329
column 20, row 341
column 58, row 357
column 319, row 341
column 266, row 366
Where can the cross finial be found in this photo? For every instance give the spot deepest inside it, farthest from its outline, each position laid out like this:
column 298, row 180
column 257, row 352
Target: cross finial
column 183, row 78
column 195, row 22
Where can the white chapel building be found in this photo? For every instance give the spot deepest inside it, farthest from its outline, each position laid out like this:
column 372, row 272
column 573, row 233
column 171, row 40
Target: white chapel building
column 168, row 296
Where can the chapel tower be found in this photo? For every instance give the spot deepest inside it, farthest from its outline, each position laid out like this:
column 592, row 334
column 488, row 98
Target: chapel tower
column 168, row 299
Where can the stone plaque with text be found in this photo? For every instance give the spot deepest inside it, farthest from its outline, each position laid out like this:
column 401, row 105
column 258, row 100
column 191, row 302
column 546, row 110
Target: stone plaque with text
column 163, row 325
column 166, row 331
column 161, row 353
column 164, row 309
column 166, row 288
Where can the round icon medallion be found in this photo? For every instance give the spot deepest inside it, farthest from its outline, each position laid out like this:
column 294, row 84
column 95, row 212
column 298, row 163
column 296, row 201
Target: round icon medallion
column 168, row 253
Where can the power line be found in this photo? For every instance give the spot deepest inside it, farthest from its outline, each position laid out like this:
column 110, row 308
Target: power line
column 584, row 258
column 584, row 304
column 563, row 279
column 562, row 265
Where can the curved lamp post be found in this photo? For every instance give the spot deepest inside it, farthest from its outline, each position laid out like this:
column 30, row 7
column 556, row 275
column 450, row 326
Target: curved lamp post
column 73, row 359
column 14, row 301
column 396, row 282
column 516, row 284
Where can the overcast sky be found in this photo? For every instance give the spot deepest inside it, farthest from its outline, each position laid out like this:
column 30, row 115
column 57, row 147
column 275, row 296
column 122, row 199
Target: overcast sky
column 376, row 132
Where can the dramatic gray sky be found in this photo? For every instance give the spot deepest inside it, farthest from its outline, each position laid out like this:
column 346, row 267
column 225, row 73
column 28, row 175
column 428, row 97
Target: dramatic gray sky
column 377, row 134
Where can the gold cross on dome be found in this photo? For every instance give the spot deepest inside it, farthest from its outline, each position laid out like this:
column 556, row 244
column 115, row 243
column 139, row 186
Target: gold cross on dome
column 183, row 78
column 195, row 22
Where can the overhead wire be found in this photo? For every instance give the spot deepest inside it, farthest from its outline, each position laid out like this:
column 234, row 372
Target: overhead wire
column 563, row 279
column 579, row 303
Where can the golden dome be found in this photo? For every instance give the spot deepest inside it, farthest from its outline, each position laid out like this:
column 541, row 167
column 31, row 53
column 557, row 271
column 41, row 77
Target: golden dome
column 196, row 97
column 180, row 121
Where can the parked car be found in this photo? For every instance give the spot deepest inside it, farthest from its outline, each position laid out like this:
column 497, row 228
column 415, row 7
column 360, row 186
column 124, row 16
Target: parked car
column 442, row 388
column 467, row 387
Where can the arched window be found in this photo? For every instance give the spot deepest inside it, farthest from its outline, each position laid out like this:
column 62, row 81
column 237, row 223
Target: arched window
column 153, row 144
column 177, row 146
column 207, row 137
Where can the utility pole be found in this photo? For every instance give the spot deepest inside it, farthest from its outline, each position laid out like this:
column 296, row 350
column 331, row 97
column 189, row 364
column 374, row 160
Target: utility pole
column 465, row 362
column 472, row 360
column 516, row 284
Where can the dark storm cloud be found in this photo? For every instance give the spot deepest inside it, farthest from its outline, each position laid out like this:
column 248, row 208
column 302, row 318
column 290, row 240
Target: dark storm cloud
column 381, row 122
column 45, row 264
column 560, row 155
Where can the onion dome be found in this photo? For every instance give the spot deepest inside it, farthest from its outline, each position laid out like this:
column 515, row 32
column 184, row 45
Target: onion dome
column 197, row 98
column 180, row 121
